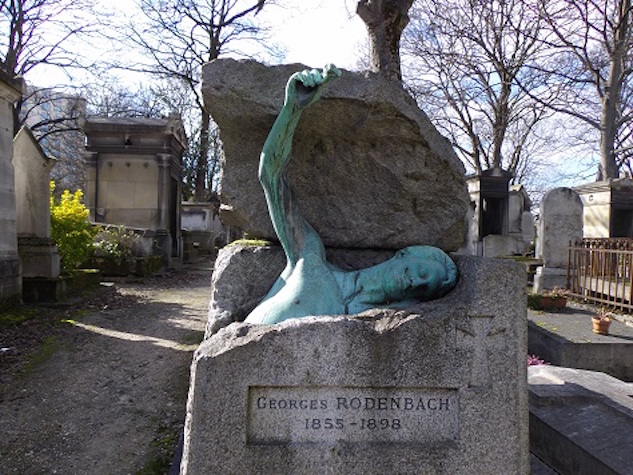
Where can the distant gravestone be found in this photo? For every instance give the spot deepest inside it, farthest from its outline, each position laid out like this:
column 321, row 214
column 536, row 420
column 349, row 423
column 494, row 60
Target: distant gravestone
column 527, row 228
column 560, row 222
column 439, row 388
column 369, row 169
column 32, row 176
column 197, row 220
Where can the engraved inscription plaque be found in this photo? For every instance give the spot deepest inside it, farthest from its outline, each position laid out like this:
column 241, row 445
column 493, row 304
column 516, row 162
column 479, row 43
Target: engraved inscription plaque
column 282, row 415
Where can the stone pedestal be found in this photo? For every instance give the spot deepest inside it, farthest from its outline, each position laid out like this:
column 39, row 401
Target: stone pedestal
column 496, row 245
column 439, row 388
column 581, row 422
column 39, row 258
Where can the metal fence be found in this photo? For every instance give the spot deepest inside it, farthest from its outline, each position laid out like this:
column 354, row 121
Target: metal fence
column 599, row 271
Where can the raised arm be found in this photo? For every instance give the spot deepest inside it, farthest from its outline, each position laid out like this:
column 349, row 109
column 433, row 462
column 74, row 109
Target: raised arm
column 303, row 89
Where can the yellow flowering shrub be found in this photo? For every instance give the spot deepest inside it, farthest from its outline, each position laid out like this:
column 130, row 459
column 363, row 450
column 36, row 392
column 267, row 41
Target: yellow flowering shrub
column 70, row 229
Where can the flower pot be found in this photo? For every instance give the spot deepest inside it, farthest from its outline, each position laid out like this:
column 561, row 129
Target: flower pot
column 601, row 325
column 547, row 302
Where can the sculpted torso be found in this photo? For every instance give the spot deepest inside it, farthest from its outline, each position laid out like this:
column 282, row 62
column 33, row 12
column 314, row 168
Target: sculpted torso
column 309, row 285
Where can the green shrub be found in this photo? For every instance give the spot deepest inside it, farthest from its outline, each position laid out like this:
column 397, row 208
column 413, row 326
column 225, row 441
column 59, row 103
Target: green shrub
column 115, row 242
column 70, row 229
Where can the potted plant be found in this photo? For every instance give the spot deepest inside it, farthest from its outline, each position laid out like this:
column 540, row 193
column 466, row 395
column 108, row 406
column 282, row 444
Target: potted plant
column 601, row 321
column 554, row 299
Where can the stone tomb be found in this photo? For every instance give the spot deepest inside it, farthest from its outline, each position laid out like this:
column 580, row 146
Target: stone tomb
column 32, row 176
column 199, row 225
column 134, row 174
column 10, row 270
column 607, row 208
column 581, row 422
column 437, row 389
column 500, row 222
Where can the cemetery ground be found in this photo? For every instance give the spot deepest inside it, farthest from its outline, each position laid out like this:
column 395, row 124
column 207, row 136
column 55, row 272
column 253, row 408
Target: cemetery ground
column 100, row 385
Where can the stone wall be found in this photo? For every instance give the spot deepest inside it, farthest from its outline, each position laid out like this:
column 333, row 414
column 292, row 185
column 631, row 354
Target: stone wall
column 10, row 268
column 32, row 179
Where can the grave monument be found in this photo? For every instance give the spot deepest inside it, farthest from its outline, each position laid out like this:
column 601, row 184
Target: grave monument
column 607, row 208
column 199, row 225
column 133, row 169
column 560, row 223
column 500, row 222
column 433, row 387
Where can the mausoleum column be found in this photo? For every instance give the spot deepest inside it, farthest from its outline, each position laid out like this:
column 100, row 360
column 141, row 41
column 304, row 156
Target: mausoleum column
column 164, row 159
column 91, row 160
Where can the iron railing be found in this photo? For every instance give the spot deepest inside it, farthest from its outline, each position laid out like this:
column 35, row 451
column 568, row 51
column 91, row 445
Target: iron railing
column 599, row 271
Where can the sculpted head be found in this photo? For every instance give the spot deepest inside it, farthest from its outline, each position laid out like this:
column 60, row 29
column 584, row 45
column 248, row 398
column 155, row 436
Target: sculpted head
column 418, row 272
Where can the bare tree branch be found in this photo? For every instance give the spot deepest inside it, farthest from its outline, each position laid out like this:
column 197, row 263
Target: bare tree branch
column 467, row 59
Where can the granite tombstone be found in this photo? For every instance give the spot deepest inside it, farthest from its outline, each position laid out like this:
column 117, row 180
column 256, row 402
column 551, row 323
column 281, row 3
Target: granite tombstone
column 435, row 387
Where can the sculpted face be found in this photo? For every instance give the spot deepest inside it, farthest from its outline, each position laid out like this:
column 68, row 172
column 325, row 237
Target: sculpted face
column 415, row 273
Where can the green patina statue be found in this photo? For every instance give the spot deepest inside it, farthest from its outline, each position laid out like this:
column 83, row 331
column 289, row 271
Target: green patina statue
column 310, row 285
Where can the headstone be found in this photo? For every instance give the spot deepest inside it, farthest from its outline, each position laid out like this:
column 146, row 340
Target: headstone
column 32, row 176
column 10, row 272
column 528, row 231
column 199, row 225
column 369, row 168
column 560, row 223
column 518, row 203
column 439, row 388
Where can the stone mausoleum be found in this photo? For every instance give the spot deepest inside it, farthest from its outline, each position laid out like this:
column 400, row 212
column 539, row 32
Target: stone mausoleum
column 10, row 268
column 500, row 222
column 607, row 208
column 134, row 169
column 39, row 255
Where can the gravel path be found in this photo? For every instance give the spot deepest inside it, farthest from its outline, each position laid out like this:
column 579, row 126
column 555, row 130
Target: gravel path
column 105, row 391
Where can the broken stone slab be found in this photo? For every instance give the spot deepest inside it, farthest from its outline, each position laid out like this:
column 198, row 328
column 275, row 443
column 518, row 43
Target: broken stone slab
column 369, row 169
column 580, row 421
column 244, row 274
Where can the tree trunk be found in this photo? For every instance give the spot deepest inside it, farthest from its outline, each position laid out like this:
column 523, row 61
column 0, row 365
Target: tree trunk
column 202, row 168
column 385, row 21
column 608, row 167
column 610, row 117
column 500, row 125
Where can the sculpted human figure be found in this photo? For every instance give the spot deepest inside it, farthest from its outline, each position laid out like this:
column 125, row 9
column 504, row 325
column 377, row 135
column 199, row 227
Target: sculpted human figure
column 309, row 284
